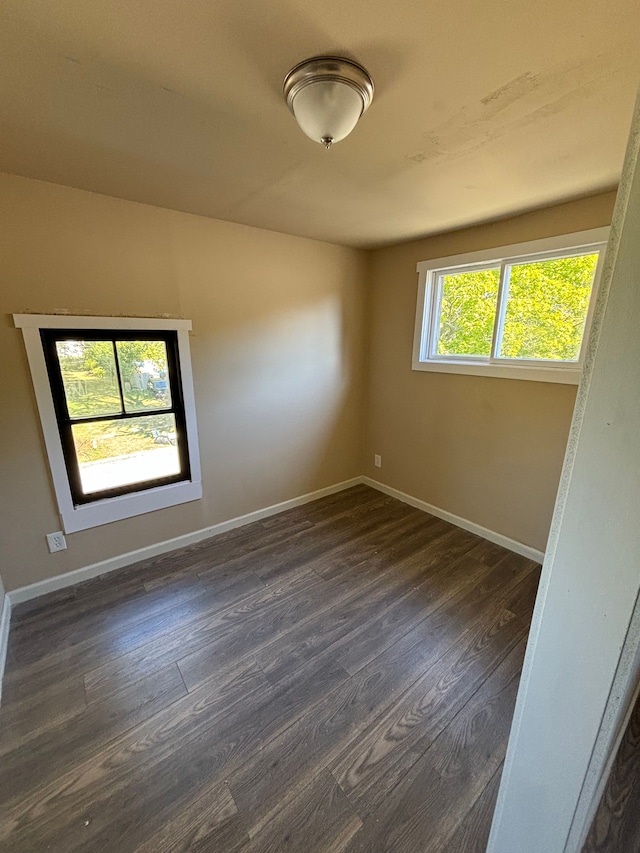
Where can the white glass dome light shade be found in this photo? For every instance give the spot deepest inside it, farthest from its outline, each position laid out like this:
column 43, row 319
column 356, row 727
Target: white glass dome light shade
column 327, row 95
column 327, row 110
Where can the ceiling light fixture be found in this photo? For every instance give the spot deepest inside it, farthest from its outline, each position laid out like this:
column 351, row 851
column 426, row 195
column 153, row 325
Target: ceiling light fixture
column 327, row 95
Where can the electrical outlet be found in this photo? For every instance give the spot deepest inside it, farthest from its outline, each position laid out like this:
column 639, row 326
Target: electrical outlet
column 56, row 542
column 377, row 460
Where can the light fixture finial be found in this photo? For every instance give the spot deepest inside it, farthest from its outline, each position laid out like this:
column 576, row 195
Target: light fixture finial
column 327, row 95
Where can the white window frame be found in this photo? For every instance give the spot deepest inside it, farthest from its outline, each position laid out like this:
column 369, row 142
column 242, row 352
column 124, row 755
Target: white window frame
column 85, row 516
column 425, row 356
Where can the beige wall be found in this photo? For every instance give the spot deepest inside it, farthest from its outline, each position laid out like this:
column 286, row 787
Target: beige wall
column 489, row 450
column 292, row 339
column 277, row 347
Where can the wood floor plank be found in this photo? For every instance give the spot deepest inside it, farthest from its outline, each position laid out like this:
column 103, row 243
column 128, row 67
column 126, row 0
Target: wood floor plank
column 264, row 610
column 99, row 788
column 83, row 626
column 284, row 619
column 39, row 608
column 334, row 627
column 387, row 543
column 160, row 653
column 336, row 724
column 371, row 766
column 223, row 549
column 472, row 835
column 351, row 666
column 21, row 721
column 211, row 823
column 319, row 819
column 447, row 582
column 331, row 538
column 367, row 593
column 81, row 653
column 253, row 539
column 112, row 645
column 55, row 750
column 154, row 790
column 428, row 804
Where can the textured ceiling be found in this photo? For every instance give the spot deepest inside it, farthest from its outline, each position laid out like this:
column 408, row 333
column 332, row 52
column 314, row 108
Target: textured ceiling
column 483, row 108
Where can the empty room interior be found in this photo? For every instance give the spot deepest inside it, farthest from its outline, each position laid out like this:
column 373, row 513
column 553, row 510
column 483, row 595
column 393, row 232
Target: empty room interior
column 319, row 435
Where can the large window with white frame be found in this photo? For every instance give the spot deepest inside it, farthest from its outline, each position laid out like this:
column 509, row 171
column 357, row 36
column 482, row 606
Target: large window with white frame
column 520, row 311
column 116, row 403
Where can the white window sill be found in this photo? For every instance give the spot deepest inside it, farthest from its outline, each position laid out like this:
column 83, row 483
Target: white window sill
column 126, row 506
column 532, row 373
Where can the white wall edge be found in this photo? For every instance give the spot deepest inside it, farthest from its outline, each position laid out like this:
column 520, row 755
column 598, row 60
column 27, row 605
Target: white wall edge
column 615, row 722
column 34, row 590
column 507, row 785
column 5, row 618
column 464, row 523
column 586, row 812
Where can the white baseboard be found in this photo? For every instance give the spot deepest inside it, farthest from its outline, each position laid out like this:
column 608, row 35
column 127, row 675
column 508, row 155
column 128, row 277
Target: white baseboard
column 5, row 618
column 34, row 590
column 465, row 524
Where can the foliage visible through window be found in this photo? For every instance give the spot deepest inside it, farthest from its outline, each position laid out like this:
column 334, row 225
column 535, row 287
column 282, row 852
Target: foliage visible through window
column 532, row 310
column 468, row 312
column 118, row 404
column 546, row 308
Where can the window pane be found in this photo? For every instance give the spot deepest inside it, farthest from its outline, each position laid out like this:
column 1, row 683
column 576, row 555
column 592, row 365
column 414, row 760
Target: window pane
column 467, row 312
column 89, row 377
column 122, row 452
column 547, row 308
column 144, row 374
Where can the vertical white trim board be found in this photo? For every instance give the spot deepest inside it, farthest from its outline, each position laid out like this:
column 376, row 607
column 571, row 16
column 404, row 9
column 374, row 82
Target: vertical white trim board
column 34, row 590
column 589, row 585
column 464, row 523
column 5, row 618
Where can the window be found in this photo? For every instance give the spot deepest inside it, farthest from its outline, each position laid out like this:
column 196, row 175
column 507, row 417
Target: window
column 520, row 311
column 116, row 404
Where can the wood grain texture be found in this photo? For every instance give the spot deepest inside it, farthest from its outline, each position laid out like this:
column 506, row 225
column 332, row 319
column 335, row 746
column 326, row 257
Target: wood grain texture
column 211, row 822
column 339, row 677
column 427, row 805
column 472, row 834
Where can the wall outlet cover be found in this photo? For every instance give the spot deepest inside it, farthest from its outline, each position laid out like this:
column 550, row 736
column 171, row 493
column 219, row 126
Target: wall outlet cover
column 377, row 460
column 56, row 542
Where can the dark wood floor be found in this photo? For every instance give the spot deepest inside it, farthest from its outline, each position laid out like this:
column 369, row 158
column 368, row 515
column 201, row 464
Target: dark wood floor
column 616, row 827
column 340, row 677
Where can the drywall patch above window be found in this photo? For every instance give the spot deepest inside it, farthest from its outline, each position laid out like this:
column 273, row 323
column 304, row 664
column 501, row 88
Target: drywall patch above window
column 116, row 403
column 517, row 312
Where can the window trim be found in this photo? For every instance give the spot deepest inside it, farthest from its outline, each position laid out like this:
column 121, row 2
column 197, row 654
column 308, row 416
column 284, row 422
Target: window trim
column 423, row 357
column 104, row 511
column 50, row 337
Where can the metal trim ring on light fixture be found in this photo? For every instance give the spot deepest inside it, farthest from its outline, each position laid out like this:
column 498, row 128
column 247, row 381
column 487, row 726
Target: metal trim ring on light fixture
column 334, row 68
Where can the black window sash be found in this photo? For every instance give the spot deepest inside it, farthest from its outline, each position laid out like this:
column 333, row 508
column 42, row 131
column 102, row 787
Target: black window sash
column 65, row 422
